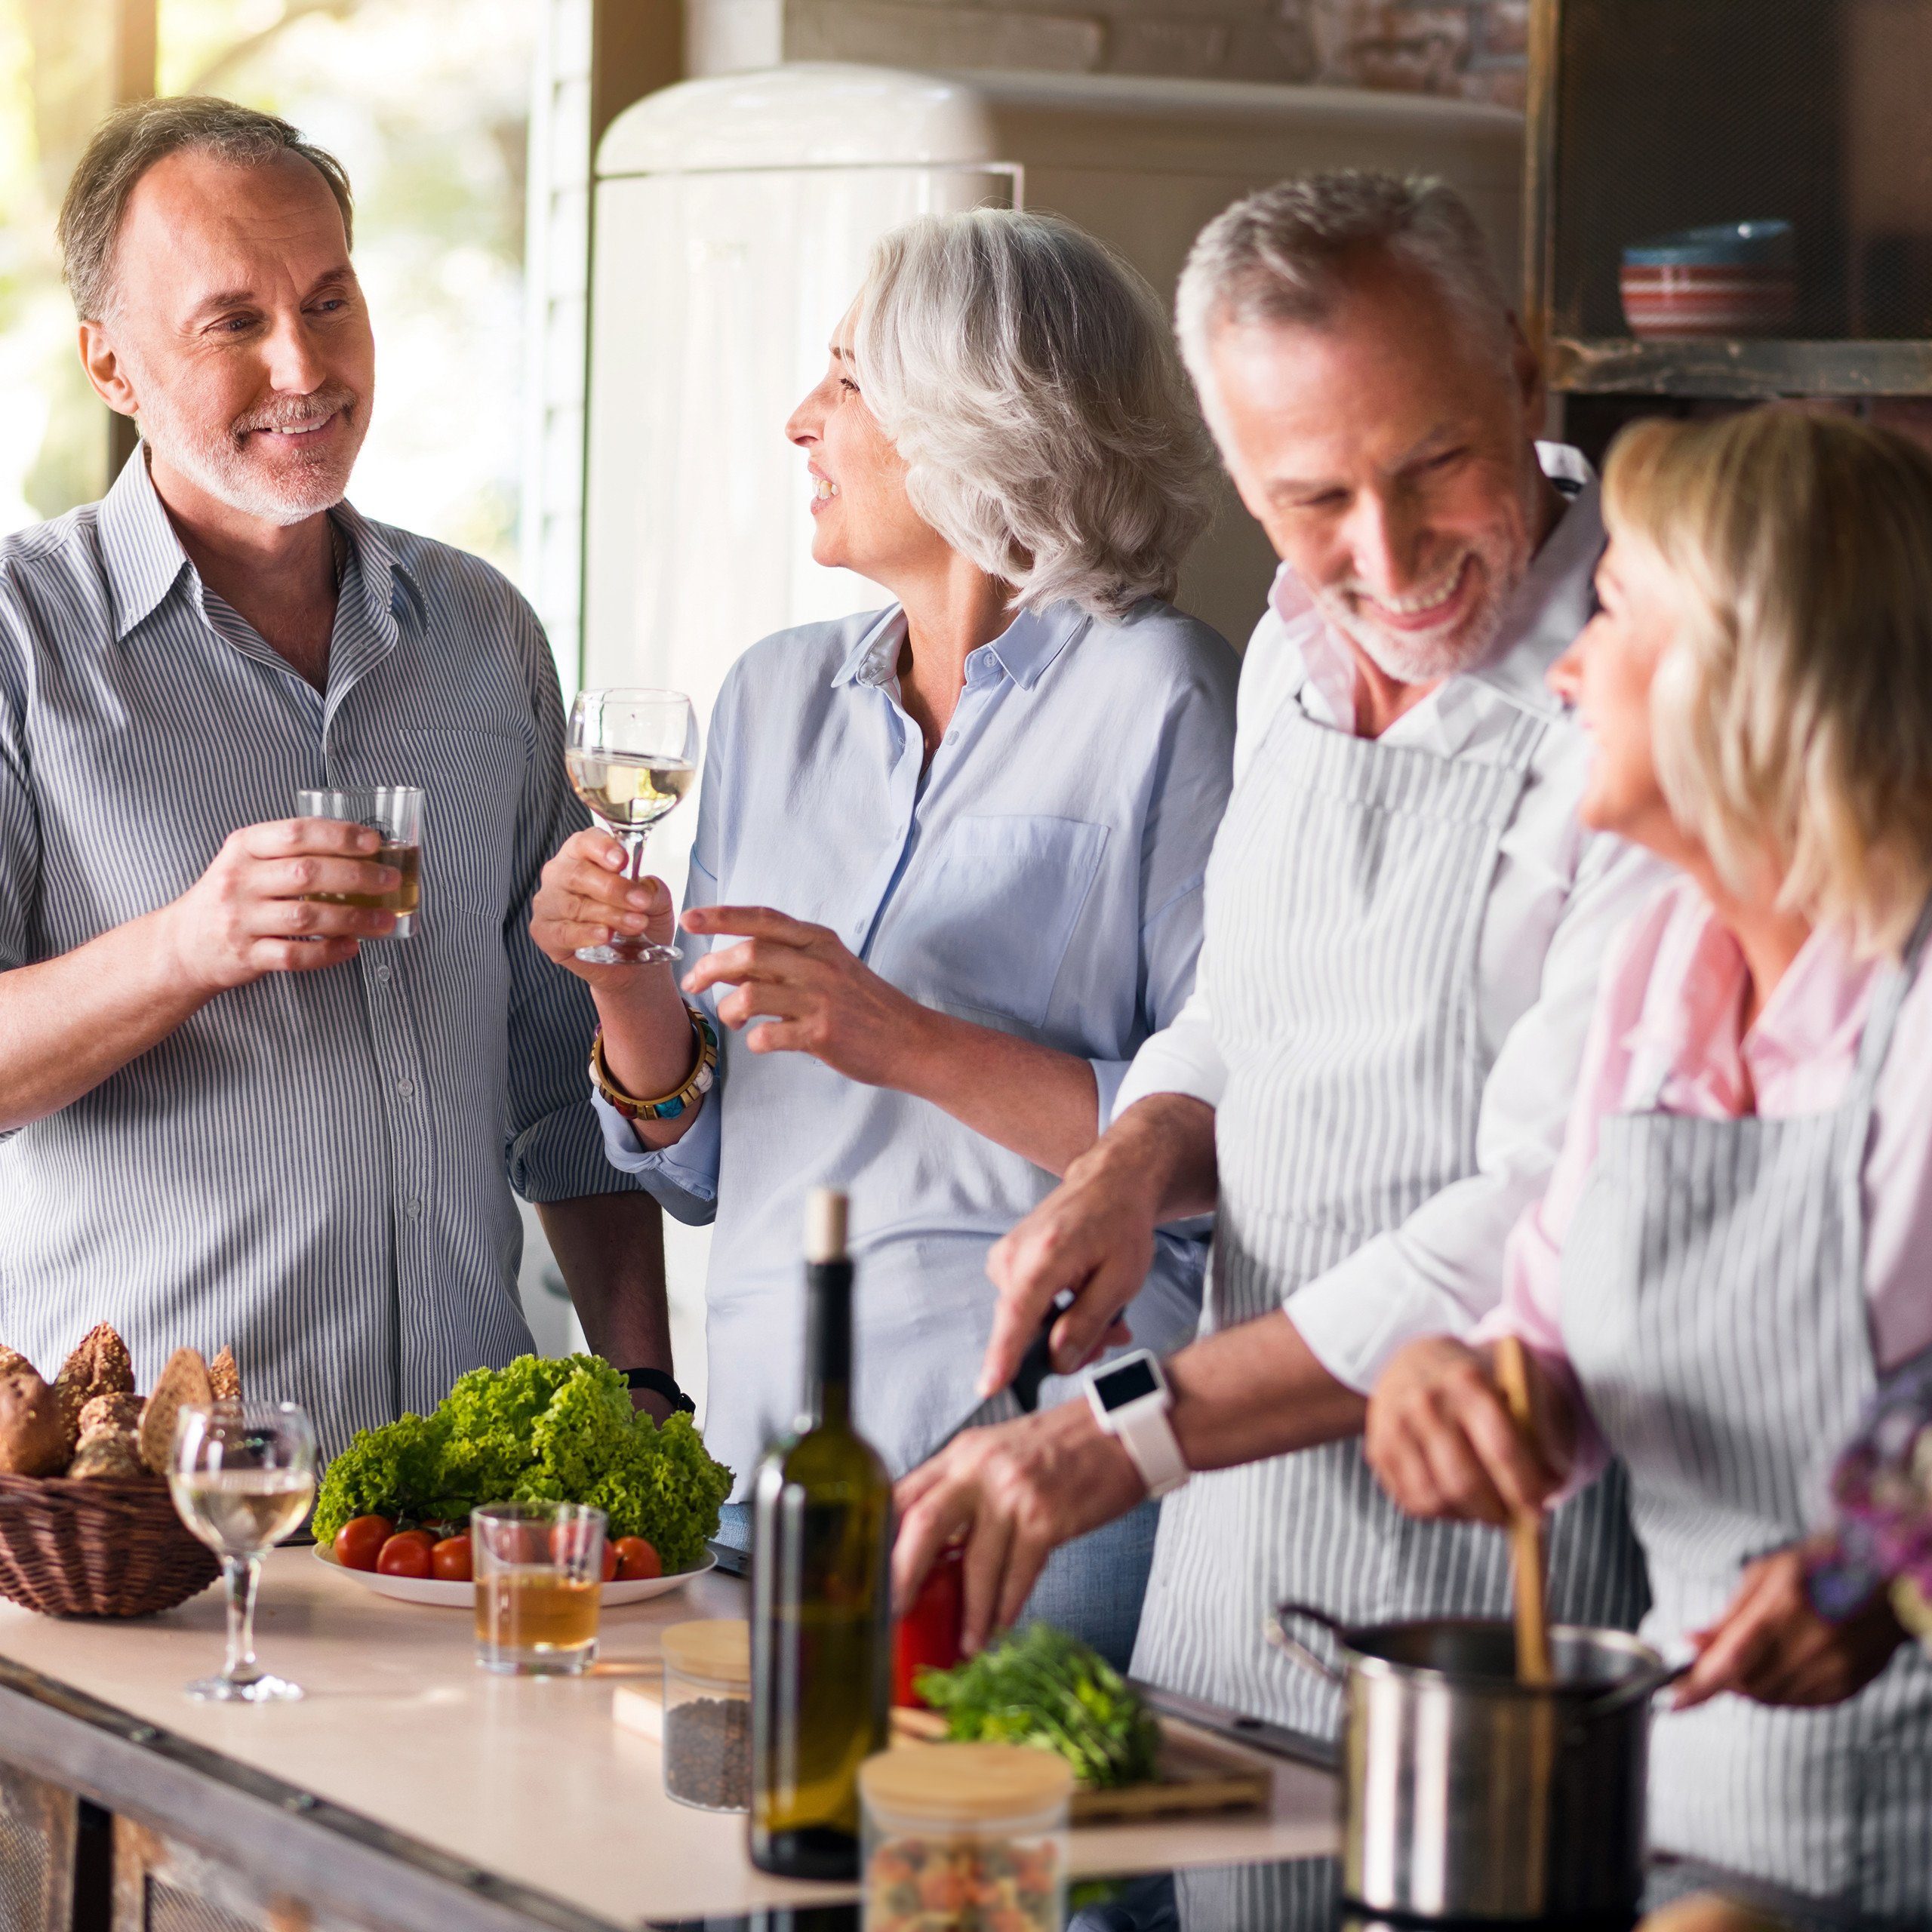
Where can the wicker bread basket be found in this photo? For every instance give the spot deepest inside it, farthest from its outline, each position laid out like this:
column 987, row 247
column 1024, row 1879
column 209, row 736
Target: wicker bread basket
column 96, row 1549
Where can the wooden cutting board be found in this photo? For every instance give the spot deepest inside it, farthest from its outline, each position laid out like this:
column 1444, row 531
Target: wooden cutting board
column 1197, row 1772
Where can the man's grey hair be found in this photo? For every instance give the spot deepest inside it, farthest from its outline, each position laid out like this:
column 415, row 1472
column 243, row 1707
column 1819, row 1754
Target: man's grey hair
column 130, row 141
column 1028, row 380
column 1285, row 256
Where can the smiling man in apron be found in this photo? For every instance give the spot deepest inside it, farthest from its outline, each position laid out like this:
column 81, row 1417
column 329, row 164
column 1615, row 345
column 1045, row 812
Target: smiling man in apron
column 1403, row 927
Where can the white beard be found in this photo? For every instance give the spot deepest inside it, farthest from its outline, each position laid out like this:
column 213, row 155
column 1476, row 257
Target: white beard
column 1425, row 657
column 215, row 461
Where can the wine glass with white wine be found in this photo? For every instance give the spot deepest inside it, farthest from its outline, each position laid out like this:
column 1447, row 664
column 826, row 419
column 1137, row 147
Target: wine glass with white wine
column 243, row 1475
column 632, row 755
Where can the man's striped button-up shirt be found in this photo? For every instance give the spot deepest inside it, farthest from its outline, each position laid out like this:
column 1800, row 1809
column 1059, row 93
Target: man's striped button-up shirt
column 316, row 1168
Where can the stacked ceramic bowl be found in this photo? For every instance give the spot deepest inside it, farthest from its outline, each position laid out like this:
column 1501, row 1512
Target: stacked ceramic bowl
column 1737, row 279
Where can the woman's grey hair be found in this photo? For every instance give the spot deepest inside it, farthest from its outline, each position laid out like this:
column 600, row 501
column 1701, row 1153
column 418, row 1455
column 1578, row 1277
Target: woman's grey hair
column 130, row 141
column 1028, row 380
column 1284, row 255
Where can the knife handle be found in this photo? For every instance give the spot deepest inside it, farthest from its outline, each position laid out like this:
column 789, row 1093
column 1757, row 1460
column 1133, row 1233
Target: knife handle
column 1037, row 1363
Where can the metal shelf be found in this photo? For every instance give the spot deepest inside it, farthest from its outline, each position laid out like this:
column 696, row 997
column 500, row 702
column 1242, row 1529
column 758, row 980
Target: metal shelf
column 1747, row 370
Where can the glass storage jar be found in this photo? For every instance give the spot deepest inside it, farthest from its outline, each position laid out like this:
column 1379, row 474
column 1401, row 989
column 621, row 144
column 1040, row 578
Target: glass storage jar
column 970, row 1837
column 708, row 1714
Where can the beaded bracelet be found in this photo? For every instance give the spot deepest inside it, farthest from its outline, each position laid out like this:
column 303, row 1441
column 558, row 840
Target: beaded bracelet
column 699, row 1082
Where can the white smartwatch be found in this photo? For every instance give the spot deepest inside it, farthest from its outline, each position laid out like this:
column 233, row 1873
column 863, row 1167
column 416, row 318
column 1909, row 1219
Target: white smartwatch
column 1130, row 1400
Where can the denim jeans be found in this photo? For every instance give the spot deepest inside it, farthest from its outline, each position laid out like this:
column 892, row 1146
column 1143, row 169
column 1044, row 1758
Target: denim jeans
column 1092, row 1587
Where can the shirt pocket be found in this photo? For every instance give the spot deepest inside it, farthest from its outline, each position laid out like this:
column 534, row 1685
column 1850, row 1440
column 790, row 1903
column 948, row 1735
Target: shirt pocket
column 473, row 785
column 1000, row 901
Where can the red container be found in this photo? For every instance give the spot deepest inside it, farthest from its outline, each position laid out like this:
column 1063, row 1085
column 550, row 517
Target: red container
column 927, row 1637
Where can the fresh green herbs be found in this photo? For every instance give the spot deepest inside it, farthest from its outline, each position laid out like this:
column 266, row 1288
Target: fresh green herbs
column 1042, row 1686
column 560, row 1429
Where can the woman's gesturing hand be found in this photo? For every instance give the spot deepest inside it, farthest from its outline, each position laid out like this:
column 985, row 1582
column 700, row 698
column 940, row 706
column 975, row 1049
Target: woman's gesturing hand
column 584, row 899
column 809, row 992
column 1441, row 1441
column 1772, row 1646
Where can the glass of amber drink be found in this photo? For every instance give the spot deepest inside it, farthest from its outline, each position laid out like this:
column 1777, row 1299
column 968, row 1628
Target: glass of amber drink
column 394, row 814
column 539, row 1568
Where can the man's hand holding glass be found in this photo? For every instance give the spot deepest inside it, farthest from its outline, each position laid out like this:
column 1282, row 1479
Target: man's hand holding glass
column 254, row 912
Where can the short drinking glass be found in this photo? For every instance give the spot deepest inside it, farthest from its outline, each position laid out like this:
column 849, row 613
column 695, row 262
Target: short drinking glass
column 394, row 814
column 242, row 1475
column 632, row 755
column 539, row 1577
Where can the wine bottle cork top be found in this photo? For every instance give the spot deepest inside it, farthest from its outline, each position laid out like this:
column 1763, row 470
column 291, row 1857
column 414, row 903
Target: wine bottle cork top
column 825, row 1225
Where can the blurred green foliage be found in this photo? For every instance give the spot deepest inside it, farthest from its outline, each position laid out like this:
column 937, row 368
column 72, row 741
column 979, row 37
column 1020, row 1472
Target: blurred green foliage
column 427, row 103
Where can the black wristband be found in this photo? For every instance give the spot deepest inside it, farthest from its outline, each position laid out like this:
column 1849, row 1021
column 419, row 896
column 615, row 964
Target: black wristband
column 659, row 1383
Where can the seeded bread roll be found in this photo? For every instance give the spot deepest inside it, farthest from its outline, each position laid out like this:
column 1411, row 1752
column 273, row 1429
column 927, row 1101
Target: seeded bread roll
column 224, row 1377
column 99, row 1366
column 108, row 1455
column 184, row 1381
column 34, row 1440
column 105, row 1414
column 12, row 1362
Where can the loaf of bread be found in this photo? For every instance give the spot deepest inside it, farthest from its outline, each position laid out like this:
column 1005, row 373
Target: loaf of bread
column 33, row 1438
column 184, row 1382
column 107, row 1414
column 99, row 1366
column 224, row 1377
column 108, row 1455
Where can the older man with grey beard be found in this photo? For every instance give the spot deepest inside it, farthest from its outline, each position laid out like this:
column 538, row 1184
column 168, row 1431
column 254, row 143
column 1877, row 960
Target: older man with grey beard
column 233, row 1109
column 1403, row 923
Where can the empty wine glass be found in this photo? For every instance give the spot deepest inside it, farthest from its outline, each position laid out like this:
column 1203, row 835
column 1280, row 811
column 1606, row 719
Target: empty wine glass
column 242, row 1475
column 632, row 755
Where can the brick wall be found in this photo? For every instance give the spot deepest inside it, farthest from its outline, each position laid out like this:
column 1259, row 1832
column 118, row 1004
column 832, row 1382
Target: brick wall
column 1473, row 48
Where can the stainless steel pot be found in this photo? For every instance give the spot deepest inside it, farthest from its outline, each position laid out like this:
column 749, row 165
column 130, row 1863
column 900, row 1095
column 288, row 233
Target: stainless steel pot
column 1466, row 1794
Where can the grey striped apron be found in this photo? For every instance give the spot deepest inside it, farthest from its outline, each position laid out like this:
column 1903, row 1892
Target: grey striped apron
column 1344, row 908
column 1714, row 1306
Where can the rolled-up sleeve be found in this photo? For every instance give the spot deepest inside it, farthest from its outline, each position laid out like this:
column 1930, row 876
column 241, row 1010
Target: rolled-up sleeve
column 1441, row 1270
column 1182, row 1058
column 554, row 1150
column 684, row 1175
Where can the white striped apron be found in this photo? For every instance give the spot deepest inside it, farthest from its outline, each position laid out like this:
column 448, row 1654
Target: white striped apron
column 1343, row 915
column 1714, row 1307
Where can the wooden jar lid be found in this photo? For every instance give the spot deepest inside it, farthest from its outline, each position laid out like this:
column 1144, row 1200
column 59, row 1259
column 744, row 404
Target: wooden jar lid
column 718, row 1649
column 967, row 1784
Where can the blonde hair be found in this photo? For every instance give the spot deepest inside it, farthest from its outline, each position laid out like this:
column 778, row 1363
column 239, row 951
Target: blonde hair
column 1792, row 712
column 1028, row 377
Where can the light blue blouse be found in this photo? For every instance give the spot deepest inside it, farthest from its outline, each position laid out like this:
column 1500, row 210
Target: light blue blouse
column 1042, row 876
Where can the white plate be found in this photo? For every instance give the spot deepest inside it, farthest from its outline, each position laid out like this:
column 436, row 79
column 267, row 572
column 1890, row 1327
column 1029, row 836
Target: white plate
column 463, row 1596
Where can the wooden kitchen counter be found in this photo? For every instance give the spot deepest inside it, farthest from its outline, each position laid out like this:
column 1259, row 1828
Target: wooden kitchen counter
column 407, row 1779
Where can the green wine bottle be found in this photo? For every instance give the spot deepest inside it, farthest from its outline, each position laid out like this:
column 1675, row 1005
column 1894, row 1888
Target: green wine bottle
column 821, row 1597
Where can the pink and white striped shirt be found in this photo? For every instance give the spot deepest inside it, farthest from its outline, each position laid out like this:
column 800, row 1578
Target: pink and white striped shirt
column 1671, row 1002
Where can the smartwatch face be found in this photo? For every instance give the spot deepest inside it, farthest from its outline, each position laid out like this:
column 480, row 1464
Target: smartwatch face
column 1117, row 1387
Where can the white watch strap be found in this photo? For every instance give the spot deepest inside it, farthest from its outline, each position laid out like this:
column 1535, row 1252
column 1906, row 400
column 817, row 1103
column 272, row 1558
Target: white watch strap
column 1147, row 1435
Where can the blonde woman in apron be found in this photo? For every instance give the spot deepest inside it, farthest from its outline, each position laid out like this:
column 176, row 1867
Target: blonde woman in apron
column 1731, row 1251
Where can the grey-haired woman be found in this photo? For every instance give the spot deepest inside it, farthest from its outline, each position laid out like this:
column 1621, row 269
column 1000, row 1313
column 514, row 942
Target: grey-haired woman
column 949, row 854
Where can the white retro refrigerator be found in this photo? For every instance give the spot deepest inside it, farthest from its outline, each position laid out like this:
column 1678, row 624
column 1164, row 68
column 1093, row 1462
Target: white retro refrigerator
column 733, row 218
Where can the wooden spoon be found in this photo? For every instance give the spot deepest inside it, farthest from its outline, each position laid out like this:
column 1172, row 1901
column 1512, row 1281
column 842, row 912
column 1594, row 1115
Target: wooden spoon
column 1533, row 1660
column 1533, row 1664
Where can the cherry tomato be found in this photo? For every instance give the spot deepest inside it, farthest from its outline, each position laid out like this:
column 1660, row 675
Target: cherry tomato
column 637, row 1562
column 570, row 1543
column 359, row 1542
column 406, row 1554
column 450, row 1561
column 610, row 1563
